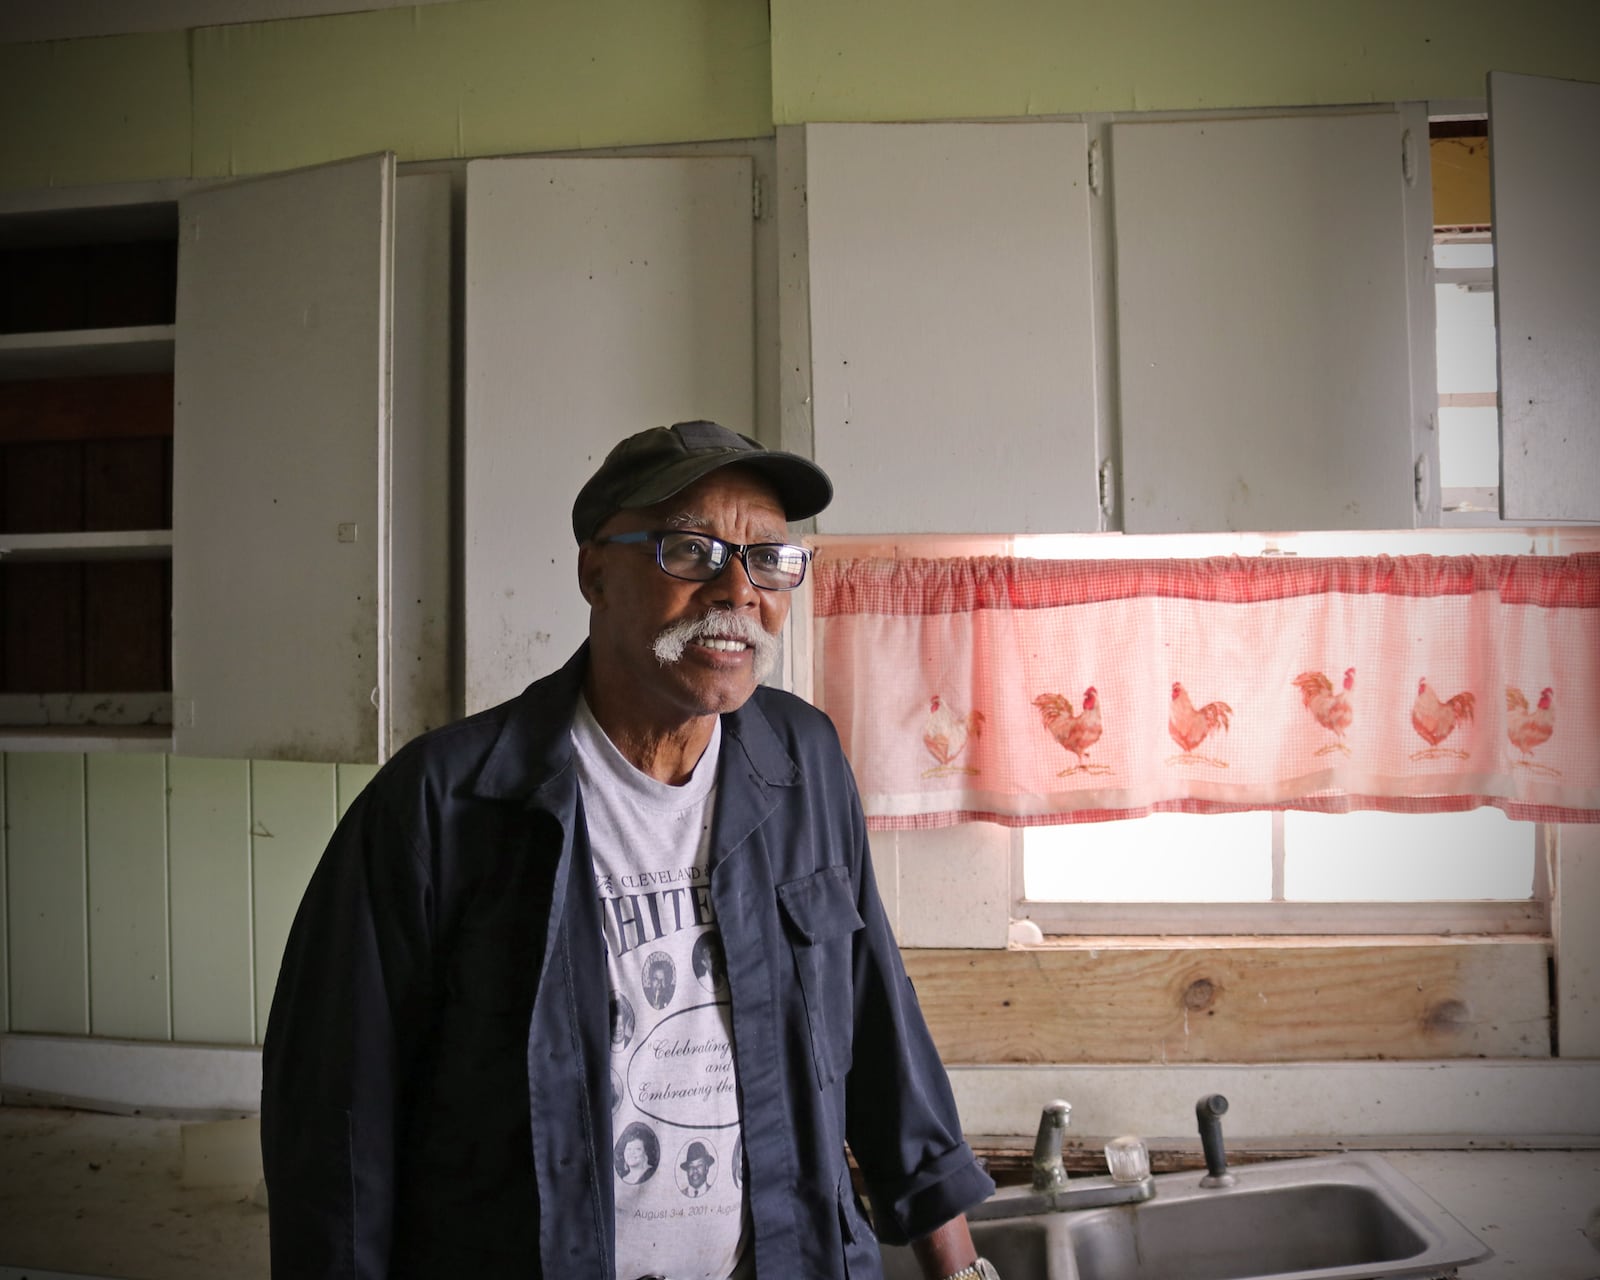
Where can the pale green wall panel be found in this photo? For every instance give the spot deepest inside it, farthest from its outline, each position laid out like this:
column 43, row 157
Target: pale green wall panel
column 292, row 816
column 352, row 778
column 46, row 870
column 930, row 59
column 208, row 817
column 129, row 987
column 479, row 78
column 90, row 111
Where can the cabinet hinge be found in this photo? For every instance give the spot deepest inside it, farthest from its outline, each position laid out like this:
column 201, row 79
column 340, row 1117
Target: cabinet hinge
column 1419, row 482
column 1107, row 477
column 1094, row 166
column 1408, row 158
column 757, row 199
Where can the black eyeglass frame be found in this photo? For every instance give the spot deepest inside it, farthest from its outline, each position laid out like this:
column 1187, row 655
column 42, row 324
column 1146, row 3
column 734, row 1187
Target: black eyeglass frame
column 728, row 552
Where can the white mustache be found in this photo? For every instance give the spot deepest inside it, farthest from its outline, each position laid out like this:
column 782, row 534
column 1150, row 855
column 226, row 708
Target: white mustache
column 671, row 641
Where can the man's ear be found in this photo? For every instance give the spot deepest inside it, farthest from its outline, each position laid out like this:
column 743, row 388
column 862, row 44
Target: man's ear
column 589, row 577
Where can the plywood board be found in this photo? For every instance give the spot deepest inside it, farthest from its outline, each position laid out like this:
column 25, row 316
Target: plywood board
column 952, row 334
column 129, row 983
column 1237, row 1003
column 209, row 857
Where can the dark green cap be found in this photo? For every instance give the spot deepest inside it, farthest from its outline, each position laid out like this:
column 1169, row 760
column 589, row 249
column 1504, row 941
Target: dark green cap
column 653, row 465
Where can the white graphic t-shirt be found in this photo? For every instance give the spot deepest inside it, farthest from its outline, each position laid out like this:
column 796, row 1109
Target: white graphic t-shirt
column 681, row 1210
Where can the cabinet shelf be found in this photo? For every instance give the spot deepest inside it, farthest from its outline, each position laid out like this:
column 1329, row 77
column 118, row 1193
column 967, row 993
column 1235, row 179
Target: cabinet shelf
column 120, row 544
column 80, row 352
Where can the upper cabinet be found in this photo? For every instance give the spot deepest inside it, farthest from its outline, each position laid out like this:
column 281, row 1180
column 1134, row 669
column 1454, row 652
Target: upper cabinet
column 603, row 296
column 292, row 466
column 86, row 351
column 1544, row 152
column 953, row 356
column 1271, row 305
column 245, row 459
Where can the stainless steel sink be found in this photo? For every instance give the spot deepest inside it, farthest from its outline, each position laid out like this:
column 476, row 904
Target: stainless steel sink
column 1330, row 1218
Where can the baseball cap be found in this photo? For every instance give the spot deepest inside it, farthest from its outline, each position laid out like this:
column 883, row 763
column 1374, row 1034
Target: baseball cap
column 653, row 465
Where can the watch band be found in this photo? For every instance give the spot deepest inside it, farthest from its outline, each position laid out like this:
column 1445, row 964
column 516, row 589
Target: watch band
column 977, row 1269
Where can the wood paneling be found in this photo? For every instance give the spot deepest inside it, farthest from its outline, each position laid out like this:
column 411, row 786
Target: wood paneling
column 127, row 612
column 127, row 877
column 292, row 815
column 42, row 624
column 1243, row 1002
column 109, row 407
column 208, row 815
column 47, row 893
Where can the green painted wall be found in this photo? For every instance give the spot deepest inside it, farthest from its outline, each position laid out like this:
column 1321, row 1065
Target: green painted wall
column 488, row 77
column 923, row 59
column 479, row 77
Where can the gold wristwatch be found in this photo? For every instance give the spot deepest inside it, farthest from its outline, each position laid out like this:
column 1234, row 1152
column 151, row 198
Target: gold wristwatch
column 977, row 1269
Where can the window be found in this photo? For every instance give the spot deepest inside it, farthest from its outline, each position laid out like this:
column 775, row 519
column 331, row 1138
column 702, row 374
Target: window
column 1285, row 872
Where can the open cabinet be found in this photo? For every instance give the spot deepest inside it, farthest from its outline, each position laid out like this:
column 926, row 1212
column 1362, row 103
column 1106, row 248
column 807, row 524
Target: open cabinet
column 222, row 452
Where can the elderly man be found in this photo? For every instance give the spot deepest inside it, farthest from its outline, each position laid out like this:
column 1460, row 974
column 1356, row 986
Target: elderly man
column 442, row 1079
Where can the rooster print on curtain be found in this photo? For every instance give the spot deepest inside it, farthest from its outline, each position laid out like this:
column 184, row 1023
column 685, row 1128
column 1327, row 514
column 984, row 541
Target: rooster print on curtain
column 1328, row 706
column 1190, row 725
column 946, row 734
column 1527, row 728
column 1435, row 719
column 1074, row 731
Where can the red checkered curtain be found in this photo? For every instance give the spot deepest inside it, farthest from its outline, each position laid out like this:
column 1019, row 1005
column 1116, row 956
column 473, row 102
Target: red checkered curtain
column 1043, row 691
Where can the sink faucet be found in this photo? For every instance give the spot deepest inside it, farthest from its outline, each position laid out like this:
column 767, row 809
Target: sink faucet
column 1049, row 1172
column 1209, row 1112
column 1051, row 1192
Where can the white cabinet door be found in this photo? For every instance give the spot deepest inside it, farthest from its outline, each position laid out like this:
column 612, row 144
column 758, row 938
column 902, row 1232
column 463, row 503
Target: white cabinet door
column 603, row 296
column 952, row 334
column 281, row 446
column 1272, row 301
column 1544, row 156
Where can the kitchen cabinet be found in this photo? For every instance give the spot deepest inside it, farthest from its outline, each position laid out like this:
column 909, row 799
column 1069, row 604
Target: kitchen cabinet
column 292, row 458
column 1544, row 154
column 86, row 349
column 603, row 296
column 1274, row 322
column 953, row 351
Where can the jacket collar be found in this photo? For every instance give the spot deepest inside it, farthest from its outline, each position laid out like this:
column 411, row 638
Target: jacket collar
column 533, row 749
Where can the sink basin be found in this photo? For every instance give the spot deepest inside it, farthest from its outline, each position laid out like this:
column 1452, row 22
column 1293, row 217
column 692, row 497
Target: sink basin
column 1329, row 1218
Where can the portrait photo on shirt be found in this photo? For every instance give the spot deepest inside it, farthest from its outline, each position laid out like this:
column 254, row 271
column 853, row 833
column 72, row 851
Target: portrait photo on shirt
column 710, row 961
column 695, row 1164
column 660, row 979
column 621, row 1021
column 637, row 1153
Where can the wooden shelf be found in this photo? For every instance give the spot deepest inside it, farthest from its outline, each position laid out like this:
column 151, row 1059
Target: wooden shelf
column 77, row 352
column 120, row 544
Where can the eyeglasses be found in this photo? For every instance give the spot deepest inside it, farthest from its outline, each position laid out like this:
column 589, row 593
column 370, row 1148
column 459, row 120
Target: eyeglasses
column 698, row 557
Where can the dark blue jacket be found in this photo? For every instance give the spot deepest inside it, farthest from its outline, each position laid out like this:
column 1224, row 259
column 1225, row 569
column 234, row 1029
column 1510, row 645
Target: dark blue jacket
column 435, row 1094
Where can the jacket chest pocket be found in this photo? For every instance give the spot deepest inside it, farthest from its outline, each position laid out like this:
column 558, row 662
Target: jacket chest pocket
column 822, row 921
